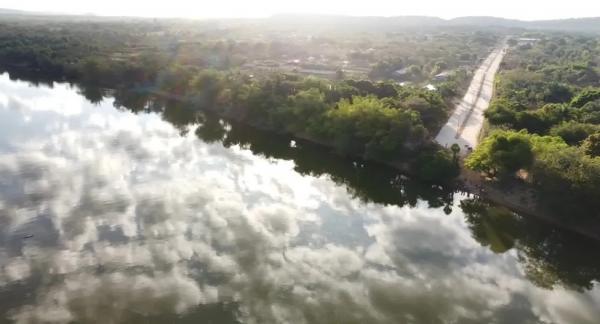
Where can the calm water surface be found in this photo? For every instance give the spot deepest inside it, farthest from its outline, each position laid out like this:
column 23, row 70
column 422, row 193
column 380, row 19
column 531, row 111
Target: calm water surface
column 116, row 208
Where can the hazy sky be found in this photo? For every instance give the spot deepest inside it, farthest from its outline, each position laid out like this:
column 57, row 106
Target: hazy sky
column 520, row 9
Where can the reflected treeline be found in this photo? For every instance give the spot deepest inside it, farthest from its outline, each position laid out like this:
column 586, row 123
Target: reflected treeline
column 369, row 181
column 550, row 256
column 31, row 76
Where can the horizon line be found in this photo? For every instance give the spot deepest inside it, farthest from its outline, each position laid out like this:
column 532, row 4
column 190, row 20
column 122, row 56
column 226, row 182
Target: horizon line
column 273, row 15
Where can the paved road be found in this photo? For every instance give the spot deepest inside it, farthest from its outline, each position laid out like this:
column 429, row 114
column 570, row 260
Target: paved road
column 465, row 124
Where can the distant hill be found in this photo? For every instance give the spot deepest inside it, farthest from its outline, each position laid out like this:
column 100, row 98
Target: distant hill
column 589, row 25
column 356, row 22
column 14, row 12
column 485, row 21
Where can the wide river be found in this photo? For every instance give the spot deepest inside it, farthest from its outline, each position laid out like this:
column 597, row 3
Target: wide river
column 116, row 207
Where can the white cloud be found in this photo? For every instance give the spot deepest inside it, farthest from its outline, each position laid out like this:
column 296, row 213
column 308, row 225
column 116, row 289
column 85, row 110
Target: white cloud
column 82, row 296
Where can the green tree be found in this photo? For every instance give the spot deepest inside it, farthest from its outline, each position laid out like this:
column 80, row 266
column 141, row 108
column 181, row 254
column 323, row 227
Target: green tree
column 436, row 167
column 503, row 152
column 555, row 92
column 573, row 132
column 205, row 88
column 585, row 96
column 591, row 145
column 303, row 111
column 455, row 148
column 502, row 112
column 589, row 113
column 368, row 125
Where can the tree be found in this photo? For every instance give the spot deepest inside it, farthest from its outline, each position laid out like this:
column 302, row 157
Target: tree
column 591, row 145
column 585, row 96
column 557, row 171
column 436, row 167
column 573, row 132
column 368, row 125
column 553, row 114
column 205, row 87
column 455, row 148
column 531, row 121
column 303, row 110
column 502, row 153
column 557, row 93
column 95, row 69
column 415, row 71
column 502, row 112
column 589, row 113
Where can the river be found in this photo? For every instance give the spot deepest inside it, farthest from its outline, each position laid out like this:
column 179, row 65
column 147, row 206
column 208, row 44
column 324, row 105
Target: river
column 116, row 207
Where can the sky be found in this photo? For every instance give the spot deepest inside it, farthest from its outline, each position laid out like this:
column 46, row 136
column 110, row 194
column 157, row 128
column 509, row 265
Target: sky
column 516, row 9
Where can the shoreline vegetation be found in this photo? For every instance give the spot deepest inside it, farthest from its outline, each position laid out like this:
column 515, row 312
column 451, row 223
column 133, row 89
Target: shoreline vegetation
column 541, row 156
column 544, row 127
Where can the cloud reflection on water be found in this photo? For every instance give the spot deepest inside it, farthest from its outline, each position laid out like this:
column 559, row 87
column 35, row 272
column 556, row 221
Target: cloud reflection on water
column 132, row 220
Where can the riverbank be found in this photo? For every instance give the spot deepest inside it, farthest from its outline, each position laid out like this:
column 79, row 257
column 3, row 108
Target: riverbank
column 521, row 198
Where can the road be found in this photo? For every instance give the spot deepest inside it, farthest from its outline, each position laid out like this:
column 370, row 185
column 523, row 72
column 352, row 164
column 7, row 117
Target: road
column 465, row 124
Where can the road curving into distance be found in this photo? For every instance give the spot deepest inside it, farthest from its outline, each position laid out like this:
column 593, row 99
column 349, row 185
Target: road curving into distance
column 465, row 124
